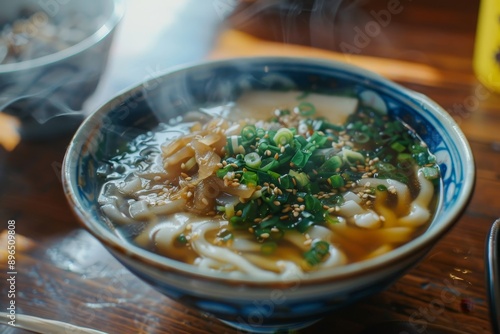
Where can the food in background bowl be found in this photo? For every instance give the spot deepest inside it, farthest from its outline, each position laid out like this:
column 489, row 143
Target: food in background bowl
column 35, row 34
column 129, row 126
column 52, row 56
column 291, row 192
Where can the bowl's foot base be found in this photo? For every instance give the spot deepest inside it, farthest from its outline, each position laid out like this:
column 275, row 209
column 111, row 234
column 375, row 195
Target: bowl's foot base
column 244, row 328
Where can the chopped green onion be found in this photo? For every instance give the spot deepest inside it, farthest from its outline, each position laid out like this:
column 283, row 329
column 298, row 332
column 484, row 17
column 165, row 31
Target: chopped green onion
column 306, row 109
column 331, row 165
column 385, row 167
column 404, row 157
column 229, row 210
column 331, row 219
column 253, row 160
column 283, row 136
column 234, row 145
column 250, row 179
column 336, row 181
column 381, row 187
column 249, row 133
column 225, row 235
column 361, row 138
column 398, row 147
column 312, row 204
column 237, row 222
column 223, row 171
column 181, row 238
column 319, row 250
column 352, row 157
column 301, row 157
column 268, row 248
column 300, row 177
column 430, row 173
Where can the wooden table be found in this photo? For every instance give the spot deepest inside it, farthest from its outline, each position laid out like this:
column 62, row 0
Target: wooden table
column 427, row 46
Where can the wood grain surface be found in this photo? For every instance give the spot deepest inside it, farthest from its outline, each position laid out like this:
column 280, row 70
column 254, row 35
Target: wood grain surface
column 68, row 276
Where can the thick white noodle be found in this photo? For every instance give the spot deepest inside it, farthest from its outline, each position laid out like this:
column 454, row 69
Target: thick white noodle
column 364, row 218
column 336, row 258
column 245, row 245
column 350, row 196
column 224, row 255
column 131, row 186
column 165, row 233
column 419, row 212
column 402, row 190
column 115, row 215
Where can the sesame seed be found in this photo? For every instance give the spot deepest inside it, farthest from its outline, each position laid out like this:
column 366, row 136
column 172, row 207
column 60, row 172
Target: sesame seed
column 277, row 203
column 287, row 209
column 189, row 178
column 295, row 214
column 276, row 156
column 189, row 194
column 307, row 242
column 268, row 153
column 330, row 210
column 284, row 217
column 302, row 207
column 184, row 175
column 220, row 165
column 382, row 218
column 204, row 201
column 234, row 165
column 300, row 199
column 282, row 149
column 239, row 213
column 257, row 220
column 183, row 166
column 265, row 235
column 275, row 229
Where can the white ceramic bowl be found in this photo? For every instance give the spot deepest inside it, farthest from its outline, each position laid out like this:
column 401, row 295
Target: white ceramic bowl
column 252, row 304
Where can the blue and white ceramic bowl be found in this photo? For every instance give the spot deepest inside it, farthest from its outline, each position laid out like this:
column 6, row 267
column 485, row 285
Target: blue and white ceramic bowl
column 262, row 305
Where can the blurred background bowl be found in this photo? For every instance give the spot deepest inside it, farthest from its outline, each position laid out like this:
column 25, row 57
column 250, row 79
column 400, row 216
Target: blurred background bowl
column 52, row 55
column 250, row 304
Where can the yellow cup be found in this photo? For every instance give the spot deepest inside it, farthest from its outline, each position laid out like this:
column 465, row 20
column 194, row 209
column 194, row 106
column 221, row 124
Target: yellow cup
column 487, row 45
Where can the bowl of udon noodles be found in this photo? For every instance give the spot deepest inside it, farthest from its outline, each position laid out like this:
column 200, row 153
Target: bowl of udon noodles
column 52, row 56
column 268, row 192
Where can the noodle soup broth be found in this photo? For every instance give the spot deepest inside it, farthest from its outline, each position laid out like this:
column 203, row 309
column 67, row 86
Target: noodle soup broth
column 274, row 183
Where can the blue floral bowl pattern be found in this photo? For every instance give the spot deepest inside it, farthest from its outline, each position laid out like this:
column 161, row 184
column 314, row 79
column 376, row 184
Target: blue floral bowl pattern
column 263, row 305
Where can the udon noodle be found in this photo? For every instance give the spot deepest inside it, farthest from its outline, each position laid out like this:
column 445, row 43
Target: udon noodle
column 258, row 191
